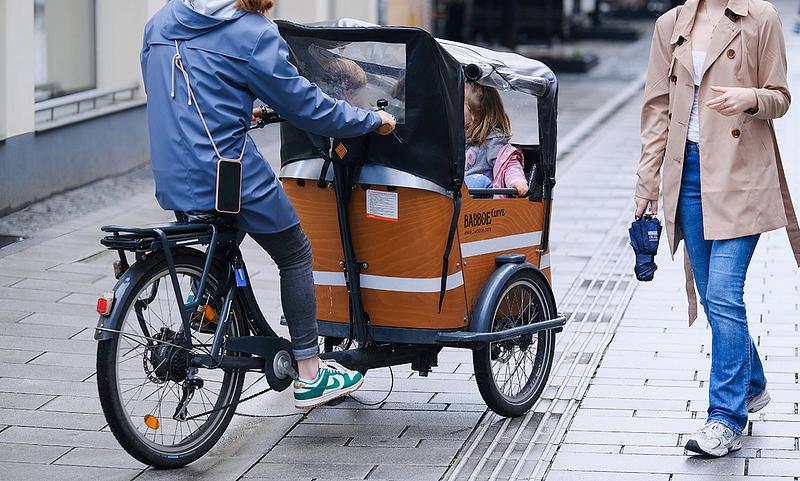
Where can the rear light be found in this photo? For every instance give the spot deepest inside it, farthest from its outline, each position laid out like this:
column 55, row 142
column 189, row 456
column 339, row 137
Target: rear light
column 105, row 303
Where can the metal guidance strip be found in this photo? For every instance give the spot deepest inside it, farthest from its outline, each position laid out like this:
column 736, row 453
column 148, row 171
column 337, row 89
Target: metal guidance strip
column 604, row 285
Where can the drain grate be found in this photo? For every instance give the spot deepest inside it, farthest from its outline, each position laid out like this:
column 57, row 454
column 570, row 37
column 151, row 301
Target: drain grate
column 7, row 240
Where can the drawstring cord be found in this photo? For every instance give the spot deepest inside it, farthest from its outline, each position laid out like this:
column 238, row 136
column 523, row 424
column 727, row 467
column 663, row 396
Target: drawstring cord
column 177, row 62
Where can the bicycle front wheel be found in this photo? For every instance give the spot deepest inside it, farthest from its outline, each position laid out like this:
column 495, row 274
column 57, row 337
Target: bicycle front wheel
column 153, row 400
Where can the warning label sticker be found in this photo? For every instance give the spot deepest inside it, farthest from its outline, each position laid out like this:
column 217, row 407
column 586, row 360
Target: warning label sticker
column 382, row 205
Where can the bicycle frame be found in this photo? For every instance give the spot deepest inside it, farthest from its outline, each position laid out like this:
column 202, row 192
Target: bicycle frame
column 166, row 238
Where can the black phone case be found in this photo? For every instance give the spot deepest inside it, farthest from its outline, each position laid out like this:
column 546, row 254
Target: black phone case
column 229, row 186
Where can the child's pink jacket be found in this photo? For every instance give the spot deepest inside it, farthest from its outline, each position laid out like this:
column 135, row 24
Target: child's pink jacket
column 508, row 168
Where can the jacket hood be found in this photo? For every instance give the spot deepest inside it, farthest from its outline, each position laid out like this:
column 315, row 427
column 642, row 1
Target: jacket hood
column 198, row 18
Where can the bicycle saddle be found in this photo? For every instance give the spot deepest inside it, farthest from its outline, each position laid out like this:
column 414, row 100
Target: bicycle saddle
column 204, row 217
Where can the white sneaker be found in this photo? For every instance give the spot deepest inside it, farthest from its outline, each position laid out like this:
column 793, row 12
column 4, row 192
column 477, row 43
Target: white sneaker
column 714, row 439
column 757, row 403
column 333, row 381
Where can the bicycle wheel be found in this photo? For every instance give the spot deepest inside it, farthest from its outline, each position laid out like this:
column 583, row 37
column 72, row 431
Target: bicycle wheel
column 149, row 394
column 511, row 374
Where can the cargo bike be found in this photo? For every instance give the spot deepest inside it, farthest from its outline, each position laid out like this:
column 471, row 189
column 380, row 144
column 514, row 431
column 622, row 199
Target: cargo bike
column 406, row 260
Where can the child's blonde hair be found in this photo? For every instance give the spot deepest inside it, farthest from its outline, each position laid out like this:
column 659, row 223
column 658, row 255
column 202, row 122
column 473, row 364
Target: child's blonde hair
column 488, row 113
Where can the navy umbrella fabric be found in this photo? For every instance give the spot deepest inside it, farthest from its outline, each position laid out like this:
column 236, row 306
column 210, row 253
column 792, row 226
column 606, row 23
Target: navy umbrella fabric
column 644, row 233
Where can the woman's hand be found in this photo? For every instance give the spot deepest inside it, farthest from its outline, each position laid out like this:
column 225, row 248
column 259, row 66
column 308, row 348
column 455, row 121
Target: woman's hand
column 733, row 101
column 388, row 125
column 641, row 206
column 522, row 188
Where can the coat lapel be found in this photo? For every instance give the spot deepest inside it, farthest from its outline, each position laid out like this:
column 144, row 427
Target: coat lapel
column 682, row 51
column 683, row 54
column 723, row 35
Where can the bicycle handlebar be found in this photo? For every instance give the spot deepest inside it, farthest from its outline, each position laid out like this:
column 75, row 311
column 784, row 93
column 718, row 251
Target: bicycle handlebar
column 263, row 116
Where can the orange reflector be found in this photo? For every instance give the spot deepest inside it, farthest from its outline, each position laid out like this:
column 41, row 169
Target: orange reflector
column 210, row 313
column 151, row 422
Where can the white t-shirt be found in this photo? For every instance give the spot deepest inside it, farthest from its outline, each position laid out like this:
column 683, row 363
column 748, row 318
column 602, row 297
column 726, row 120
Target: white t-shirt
column 698, row 59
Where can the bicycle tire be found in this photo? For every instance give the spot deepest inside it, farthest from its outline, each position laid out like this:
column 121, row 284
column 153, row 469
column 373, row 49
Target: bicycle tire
column 493, row 394
column 186, row 261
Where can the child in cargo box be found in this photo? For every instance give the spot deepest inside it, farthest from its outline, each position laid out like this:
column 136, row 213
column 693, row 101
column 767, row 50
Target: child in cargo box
column 488, row 131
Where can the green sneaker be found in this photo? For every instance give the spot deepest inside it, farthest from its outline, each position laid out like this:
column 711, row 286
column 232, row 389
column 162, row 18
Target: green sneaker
column 333, row 381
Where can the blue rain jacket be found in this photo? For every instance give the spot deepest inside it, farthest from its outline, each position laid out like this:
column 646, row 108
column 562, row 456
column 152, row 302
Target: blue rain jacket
column 231, row 62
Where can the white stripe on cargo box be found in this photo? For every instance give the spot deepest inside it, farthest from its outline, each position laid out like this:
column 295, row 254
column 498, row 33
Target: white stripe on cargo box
column 395, row 284
column 499, row 244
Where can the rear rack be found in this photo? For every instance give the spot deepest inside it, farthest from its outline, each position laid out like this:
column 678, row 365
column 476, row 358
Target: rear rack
column 146, row 239
column 164, row 238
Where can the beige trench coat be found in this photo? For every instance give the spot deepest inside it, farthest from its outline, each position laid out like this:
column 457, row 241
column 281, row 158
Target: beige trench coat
column 743, row 187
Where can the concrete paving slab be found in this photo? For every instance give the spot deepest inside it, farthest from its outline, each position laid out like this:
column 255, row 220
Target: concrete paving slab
column 403, row 473
column 102, row 458
column 38, row 472
column 558, row 475
column 711, row 477
column 56, row 437
column 617, row 438
column 57, row 319
column 47, row 419
column 348, row 431
column 29, row 453
column 9, row 316
column 284, row 471
column 23, row 401
column 40, row 386
column 35, row 371
column 392, row 418
column 634, row 463
column 17, row 356
column 364, row 455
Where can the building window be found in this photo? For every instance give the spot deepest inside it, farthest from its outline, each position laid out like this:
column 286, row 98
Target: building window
column 64, row 47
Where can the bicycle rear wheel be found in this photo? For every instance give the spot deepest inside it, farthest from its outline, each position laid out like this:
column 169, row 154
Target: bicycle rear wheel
column 150, row 395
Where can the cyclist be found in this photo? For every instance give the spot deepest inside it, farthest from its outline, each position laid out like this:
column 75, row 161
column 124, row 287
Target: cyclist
column 204, row 63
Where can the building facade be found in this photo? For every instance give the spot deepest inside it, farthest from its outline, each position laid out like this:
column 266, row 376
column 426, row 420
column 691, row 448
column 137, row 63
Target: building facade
column 71, row 95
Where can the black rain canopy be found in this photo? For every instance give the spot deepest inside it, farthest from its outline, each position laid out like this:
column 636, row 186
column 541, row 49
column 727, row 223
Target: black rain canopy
column 511, row 71
column 422, row 80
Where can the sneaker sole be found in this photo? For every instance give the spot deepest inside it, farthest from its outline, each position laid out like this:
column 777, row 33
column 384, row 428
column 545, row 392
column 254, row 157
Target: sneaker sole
column 312, row 403
column 761, row 404
column 692, row 446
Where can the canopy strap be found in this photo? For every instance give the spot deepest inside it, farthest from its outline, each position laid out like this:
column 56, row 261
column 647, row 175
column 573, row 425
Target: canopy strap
column 450, row 238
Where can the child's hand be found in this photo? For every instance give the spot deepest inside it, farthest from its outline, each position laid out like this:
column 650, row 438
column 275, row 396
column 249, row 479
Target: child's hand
column 522, row 188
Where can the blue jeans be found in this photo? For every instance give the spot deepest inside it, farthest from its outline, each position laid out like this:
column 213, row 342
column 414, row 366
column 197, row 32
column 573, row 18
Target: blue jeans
column 291, row 251
column 719, row 268
column 478, row 181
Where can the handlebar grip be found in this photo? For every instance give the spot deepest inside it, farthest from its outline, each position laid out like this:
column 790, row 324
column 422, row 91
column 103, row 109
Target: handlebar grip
column 263, row 116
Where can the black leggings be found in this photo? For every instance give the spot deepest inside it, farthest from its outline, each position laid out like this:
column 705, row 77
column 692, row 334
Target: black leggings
column 291, row 251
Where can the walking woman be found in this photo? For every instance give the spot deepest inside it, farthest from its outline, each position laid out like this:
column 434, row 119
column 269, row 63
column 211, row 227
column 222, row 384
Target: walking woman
column 716, row 80
column 204, row 63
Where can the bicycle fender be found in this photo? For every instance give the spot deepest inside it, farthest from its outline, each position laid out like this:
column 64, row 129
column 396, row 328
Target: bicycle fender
column 121, row 290
column 483, row 312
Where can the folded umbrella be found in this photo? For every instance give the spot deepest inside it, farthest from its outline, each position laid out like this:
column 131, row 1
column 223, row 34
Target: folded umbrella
column 644, row 234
